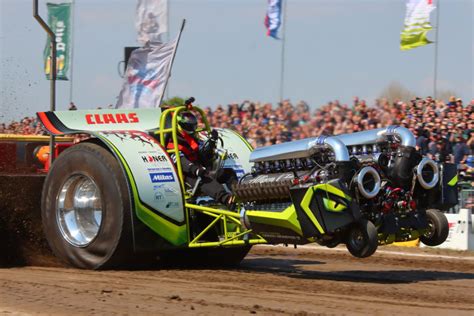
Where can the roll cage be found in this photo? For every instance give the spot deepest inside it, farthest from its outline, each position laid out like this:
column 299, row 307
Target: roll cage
column 227, row 222
column 171, row 116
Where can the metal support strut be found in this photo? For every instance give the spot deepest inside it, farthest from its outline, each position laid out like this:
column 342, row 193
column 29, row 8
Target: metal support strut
column 52, row 37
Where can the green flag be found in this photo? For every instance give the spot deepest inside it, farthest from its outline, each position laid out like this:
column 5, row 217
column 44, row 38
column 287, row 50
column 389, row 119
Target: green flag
column 417, row 24
column 59, row 20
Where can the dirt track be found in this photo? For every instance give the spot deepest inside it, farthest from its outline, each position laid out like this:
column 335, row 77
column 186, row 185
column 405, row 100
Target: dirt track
column 272, row 280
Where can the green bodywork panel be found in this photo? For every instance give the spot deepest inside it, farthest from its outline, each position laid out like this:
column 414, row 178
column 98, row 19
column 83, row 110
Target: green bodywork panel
column 286, row 219
column 174, row 233
column 334, row 200
column 333, row 206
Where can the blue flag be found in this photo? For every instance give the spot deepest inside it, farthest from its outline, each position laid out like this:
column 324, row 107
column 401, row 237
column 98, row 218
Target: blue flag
column 273, row 18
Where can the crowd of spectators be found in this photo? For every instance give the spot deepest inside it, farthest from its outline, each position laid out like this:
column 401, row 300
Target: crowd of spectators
column 26, row 126
column 444, row 130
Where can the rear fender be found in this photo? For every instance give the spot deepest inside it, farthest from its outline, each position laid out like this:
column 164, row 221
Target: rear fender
column 87, row 121
column 153, row 182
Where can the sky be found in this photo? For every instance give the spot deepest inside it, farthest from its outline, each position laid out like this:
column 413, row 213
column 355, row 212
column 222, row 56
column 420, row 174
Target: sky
column 334, row 49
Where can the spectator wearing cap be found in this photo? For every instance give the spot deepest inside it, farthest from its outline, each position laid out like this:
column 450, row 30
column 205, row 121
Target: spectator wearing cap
column 441, row 151
column 422, row 140
column 460, row 150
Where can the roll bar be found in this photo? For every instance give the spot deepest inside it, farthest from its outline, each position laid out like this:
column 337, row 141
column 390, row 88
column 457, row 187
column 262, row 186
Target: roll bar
column 169, row 125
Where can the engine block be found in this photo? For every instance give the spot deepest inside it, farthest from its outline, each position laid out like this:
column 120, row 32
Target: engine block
column 319, row 187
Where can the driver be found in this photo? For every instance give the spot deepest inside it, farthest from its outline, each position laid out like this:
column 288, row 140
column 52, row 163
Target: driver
column 196, row 155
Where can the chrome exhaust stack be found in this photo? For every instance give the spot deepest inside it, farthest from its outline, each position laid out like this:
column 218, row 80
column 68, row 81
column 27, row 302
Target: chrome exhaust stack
column 427, row 173
column 368, row 182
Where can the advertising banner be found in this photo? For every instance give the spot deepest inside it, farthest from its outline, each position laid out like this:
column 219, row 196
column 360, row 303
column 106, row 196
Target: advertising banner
column 146, row 75
column 151, row 20
column 59, row 20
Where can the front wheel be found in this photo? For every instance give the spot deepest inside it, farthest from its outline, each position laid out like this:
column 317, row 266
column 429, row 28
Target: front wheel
column 361, row 240
column 438, row 228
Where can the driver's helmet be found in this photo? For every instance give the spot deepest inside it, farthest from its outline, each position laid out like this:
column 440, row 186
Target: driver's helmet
column 188, row 122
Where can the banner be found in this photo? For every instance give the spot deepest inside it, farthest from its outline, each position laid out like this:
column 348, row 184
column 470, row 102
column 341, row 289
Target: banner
column 147, row 71
column 273, row 18
column 417, row 24
column 59, row 20
column 151, row 20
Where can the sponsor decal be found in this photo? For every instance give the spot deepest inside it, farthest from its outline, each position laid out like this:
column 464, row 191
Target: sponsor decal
column 161, row 177
column 153, row 158
column 159, row 196
column 112, row 118
column 154, row 170
column 233, row 166
column 232, row 156
column 239, row 172
column 170, row 190
column 132, row 136
column 172, row 204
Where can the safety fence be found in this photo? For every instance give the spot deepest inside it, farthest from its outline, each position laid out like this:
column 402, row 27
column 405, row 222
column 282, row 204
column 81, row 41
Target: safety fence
column 466, row 198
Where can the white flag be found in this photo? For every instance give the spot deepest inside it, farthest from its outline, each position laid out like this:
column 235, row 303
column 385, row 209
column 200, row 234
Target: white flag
column 151, row 20
column 146, row 75
column 417, row 24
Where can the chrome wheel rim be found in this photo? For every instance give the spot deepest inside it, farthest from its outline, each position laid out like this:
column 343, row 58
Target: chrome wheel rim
column 79, row 210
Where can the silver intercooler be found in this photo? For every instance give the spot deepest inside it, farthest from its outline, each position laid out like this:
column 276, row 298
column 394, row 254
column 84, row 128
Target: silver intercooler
column 379, row 135
column 302, row 148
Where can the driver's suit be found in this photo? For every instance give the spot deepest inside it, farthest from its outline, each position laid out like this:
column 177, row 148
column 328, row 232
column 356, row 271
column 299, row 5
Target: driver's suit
column 194, row 160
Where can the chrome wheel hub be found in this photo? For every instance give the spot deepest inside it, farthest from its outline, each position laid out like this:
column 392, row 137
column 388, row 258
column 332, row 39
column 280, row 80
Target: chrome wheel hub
column 79, row 210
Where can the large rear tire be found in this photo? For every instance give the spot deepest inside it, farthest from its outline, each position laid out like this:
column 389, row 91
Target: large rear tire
column 361, row 240
column 438, row 228
column 86, row 209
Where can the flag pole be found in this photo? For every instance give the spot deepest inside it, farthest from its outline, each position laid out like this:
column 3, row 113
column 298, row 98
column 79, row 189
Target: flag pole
column 435, row 75
column 73, row 12
column 283, row 40
column 172, row 61
column 168, row 36
column 53, row 73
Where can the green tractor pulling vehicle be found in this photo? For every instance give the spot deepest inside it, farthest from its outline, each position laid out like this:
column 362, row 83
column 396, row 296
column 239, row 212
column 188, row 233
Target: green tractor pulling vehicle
column 117, row 198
